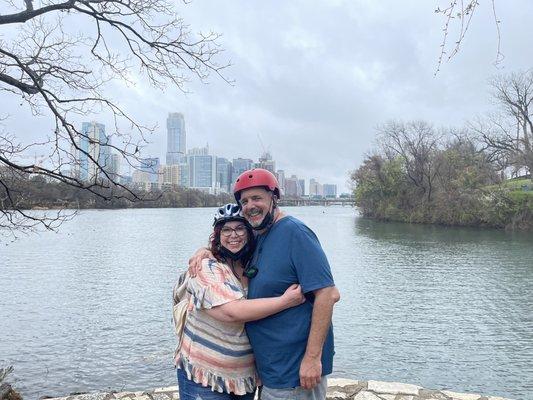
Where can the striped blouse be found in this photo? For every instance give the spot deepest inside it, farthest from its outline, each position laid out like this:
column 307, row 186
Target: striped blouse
column 215, row 353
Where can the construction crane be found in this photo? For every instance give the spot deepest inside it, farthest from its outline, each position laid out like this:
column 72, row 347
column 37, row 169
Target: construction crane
column 266, row 153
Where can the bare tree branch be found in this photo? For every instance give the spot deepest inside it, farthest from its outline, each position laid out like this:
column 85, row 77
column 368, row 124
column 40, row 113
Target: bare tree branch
column 62, row 71
column 508, row 134
column 459, row 14
column 415, row 144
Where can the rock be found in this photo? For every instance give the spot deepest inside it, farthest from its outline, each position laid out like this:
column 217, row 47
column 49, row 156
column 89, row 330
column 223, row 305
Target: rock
column 5, row 388
column 126, row 395
column 143, row 397
column 341, row 382
column 348, row 387
column 7, row 392
column 168, row 389
column 461, row 396
column 393, row 388
column 426, row 394
column 338, row 389
column 336, row 395
column 162, row 396
column 89, row 396
column 391, row 397
column 364, row 395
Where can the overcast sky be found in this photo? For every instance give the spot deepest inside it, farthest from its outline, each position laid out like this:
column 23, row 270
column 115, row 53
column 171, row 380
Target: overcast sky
column 314, row 78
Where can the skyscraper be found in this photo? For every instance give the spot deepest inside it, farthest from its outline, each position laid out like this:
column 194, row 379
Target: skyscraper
column 330, row 190
column 316, row 189
column 150, row 165
column 202, row 169
column 174, row 175
column 199, row 151
column 239, row 165
column 266, row 162
column 224, row 174
column 176, row 138
column 301, row 186
column 114, row 169
column 92, row 143
column 146, row 175
column 281, row 180
column 291, row 186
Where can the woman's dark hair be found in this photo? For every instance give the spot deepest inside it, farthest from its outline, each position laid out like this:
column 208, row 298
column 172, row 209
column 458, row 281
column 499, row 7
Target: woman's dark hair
column 214, row 243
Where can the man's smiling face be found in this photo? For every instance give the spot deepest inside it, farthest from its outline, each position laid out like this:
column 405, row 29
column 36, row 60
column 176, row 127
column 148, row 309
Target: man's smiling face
column 256, row 203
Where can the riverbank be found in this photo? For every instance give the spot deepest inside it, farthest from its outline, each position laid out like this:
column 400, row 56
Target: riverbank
column 420, row 177
column 338, row 389
column 496, row 207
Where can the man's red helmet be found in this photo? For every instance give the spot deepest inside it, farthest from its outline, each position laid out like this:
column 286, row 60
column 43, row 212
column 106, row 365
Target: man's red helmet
column 256, row 177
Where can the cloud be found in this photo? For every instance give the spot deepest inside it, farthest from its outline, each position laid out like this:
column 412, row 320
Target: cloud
column 313, row 79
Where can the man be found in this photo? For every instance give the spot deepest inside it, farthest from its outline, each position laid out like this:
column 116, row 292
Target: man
column 294, row 348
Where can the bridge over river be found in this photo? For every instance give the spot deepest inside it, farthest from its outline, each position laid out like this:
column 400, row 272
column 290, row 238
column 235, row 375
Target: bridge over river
column 317, row 202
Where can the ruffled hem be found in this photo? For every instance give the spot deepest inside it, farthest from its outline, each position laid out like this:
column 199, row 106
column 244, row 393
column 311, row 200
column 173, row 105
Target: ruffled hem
column 238, row 386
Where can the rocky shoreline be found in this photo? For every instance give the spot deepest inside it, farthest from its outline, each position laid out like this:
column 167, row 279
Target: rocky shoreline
column 338, row 389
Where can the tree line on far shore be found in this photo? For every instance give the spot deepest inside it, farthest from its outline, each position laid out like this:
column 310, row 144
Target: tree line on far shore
column 479, row 175
column 37, row 192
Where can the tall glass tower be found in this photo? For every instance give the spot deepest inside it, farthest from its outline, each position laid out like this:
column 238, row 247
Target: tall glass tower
column 176, row 138
column 94, row 142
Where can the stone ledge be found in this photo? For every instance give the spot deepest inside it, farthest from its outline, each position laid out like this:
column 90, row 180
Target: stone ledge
column 338, row 389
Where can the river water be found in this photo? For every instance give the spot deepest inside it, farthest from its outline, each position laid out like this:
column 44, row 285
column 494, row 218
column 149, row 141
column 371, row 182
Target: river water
column 88, row 308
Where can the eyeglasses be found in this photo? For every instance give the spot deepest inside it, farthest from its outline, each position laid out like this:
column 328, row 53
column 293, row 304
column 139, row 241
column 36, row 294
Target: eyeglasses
column 239, row 231
column 250, row 272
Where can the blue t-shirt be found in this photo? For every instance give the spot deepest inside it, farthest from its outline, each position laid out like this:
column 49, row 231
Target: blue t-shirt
column 289, row 253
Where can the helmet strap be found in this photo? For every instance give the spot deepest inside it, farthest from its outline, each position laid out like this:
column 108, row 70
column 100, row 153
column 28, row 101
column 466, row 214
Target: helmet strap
column 227, row 254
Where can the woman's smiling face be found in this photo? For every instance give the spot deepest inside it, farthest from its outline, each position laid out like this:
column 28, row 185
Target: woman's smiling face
column 233, row 236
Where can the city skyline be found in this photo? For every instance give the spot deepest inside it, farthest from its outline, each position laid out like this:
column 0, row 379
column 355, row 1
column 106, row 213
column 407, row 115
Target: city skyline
column 197, row 177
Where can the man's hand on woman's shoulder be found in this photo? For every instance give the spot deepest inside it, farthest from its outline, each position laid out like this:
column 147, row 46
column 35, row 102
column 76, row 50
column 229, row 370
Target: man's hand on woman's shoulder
column 195, row 262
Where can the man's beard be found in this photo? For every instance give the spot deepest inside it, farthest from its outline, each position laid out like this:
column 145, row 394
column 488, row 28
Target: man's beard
column 266, row 221
column 257, row 223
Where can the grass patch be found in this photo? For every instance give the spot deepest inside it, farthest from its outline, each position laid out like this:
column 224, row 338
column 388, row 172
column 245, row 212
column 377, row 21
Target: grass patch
column 523, row 185
column 519, row 196
column 519, row 183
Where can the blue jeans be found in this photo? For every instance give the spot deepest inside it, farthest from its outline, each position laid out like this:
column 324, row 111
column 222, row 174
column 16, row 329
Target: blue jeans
column 190, row 390
column 297, row 393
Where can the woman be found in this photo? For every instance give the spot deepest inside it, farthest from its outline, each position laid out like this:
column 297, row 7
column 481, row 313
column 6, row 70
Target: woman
column 215, row 359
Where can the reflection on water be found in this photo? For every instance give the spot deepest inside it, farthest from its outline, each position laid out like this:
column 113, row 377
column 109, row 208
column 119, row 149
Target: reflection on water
column 89, row 308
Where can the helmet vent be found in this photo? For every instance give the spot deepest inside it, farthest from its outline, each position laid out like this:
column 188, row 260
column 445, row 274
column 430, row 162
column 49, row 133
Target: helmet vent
column 228, row 212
